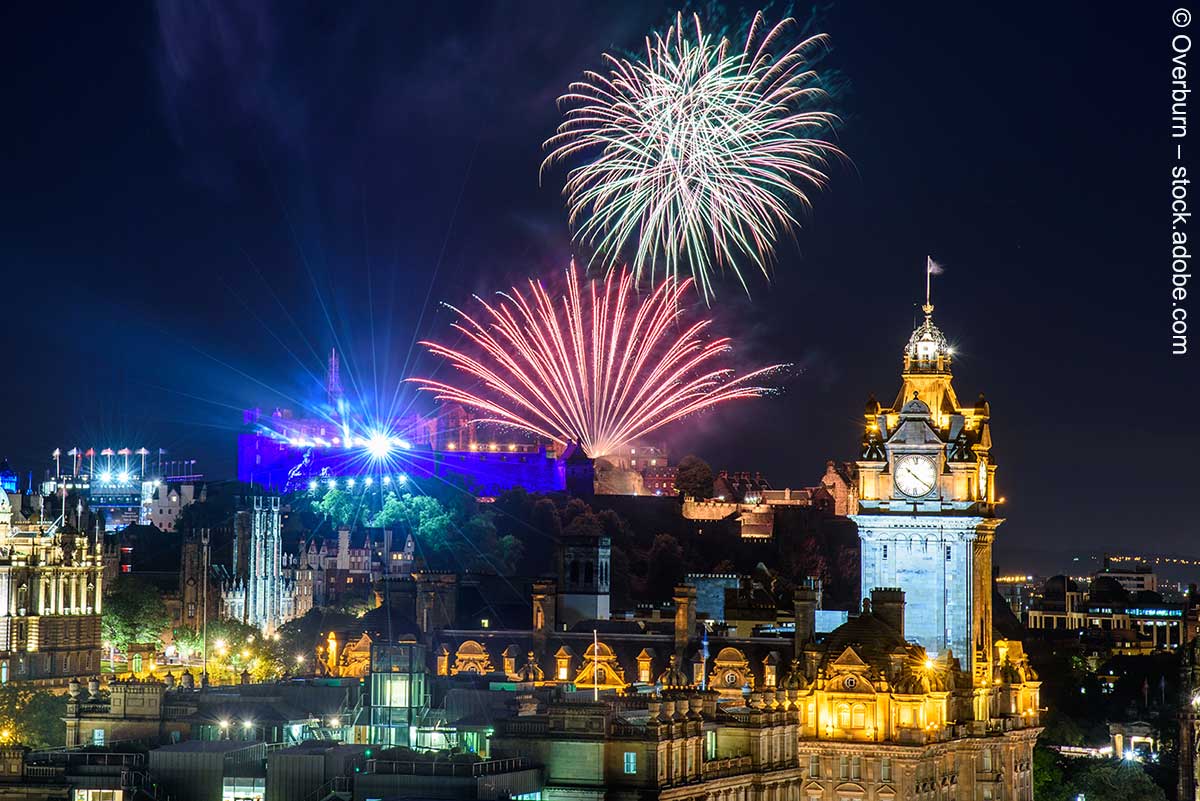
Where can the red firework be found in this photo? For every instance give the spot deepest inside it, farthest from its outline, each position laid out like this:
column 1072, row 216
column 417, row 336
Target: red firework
column 599, row 366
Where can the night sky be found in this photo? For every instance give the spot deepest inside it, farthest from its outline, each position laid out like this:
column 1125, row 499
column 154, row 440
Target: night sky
column 201, row 199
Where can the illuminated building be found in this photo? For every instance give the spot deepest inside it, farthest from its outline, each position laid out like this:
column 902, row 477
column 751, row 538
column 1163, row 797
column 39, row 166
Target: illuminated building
column 258, row 593
column 181, row 708
column 166, row 500
column 1189, row 723
column 1136, row 577
column 50, row 600
column 750, row 499
column 122, row 485
column 288, row 450
column 8, row 478
column 1109, row 610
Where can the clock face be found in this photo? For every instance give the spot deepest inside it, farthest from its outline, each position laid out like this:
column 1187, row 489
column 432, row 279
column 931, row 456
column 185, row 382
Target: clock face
column 915, row 475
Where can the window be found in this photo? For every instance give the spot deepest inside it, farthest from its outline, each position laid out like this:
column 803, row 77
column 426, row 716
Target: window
column 855, row 768
column 710, row 745
column 885, row 770
column 843, row 715
column 860, row 716
column 947, row 553
column 814, row 767
column 987, row 760
column 631, row 762
column 844, row 768
column 97, row 736
column 885, row 552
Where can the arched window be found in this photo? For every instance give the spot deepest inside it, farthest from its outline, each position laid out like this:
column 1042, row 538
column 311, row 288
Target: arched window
column 843, row 716
column 860, row 716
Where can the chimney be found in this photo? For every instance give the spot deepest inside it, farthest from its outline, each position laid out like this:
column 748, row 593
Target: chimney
column 545, row 617
column 387, row 551
column 888, row 606
column 805, row 603
column 685, row 616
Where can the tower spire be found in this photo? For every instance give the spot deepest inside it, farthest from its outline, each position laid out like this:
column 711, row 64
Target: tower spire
column 333, row 379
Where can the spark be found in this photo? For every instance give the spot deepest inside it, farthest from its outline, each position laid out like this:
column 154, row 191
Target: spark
column 691, row 159
column 599, row 366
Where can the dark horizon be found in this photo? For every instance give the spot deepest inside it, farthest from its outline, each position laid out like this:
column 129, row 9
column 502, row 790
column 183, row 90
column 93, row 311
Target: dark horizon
column 203, row 199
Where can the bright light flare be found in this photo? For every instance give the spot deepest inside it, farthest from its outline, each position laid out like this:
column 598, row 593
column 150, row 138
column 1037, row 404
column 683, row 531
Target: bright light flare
column 691, row 159
column 599, row 366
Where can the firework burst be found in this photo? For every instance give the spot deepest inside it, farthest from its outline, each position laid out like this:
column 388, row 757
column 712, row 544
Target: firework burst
column 693, row 158
column 600, row 365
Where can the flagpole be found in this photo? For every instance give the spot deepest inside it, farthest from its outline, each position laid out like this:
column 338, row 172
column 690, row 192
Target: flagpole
column 595, row 665
column 928, row 273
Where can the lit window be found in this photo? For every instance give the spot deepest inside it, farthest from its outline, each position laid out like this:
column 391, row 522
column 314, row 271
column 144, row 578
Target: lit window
column 97, row 736
column 630, row 762
column 885, row 770
column 814, row 767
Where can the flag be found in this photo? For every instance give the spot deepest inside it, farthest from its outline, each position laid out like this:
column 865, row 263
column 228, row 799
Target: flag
column 162, row 451
column 90, row 452
column 73, row 452
column 934, row 267
column 57, row 453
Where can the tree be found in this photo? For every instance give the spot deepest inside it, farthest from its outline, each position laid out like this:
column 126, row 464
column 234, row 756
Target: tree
column 694, row 477
column 133, row 613
column 1111, row 780
column 664, row 567
column 31, row 717
column 1049, row 780
column 343, row 508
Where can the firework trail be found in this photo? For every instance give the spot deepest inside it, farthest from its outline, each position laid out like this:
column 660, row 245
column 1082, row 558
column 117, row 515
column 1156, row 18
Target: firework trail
column 690, row 160
column 599, row 365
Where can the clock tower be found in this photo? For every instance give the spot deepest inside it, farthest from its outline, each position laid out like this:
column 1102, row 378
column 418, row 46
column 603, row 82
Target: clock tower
column 927, row 507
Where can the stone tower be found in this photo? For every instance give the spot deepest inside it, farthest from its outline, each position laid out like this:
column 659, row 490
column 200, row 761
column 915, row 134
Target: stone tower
column 583, row 577
column 927, row 508
column 258, row 594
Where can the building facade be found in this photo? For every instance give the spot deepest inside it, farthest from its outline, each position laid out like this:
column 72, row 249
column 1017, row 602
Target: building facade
column 51, row 589
column 927, row 504
column 258, row 592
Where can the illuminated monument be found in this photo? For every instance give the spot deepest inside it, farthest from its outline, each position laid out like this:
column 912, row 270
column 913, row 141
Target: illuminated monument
column 289, row 450
column 927, row 506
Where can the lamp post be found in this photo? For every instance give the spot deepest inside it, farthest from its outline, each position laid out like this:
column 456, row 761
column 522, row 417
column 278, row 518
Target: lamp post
column 204, row 612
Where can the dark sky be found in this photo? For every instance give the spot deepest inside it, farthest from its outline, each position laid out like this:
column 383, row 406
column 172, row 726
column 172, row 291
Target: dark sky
column 200, row 199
